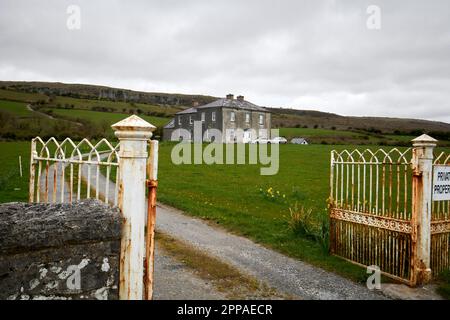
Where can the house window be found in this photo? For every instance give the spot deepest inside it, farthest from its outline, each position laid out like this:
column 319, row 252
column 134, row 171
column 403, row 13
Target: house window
column 247, row 118
column 261, row 119
column 203, row 117
column 213, row 116
column 232, row 116
column 179, row 120
column 190, row 119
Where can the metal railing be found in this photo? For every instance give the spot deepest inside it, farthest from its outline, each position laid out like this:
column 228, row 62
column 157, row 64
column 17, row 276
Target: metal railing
column 381, row 211
column 70, row 171
column 370, row 209
column 372, row 182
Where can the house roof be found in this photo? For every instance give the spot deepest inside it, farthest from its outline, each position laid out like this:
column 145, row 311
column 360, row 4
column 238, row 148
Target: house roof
column 233, row 103
column 190, row 110
column 170, row 125
column 228, row 103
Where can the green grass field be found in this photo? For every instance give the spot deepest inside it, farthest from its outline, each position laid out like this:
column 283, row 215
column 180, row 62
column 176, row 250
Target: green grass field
column 117, row 106
column 21, row 96
column 16, row 108
column 320, row 135
column 309, row 132
column 99, row 118
column 444, row 285
column 12, row 186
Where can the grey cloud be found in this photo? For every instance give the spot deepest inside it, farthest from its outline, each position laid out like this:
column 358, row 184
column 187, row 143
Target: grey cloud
column 301, row 54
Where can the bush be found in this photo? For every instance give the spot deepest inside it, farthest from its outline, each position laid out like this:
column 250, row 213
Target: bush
column 310, row 224
column 301, row 221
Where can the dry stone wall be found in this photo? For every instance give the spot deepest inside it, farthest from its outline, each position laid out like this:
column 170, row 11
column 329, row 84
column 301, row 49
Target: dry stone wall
column 59, row 251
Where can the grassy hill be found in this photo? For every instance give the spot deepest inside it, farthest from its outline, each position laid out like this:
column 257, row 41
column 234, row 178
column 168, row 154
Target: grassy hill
column 16, row 108
column 100, row 106
column 299, row 118
column 98, row 117
column 104, row 93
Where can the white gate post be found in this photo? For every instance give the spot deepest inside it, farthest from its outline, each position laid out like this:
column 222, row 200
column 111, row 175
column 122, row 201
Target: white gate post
column 32, row 182
column 133, row 134
column 422, row 162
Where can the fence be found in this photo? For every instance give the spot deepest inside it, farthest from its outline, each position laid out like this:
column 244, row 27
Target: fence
column 380, row 211
column 116, row 173
column 440, row 226
column 69, row 171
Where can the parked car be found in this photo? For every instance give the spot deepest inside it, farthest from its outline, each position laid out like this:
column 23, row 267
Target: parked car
column 276, row 140
column 299, row 141
column 260, row 140
column 279, row 140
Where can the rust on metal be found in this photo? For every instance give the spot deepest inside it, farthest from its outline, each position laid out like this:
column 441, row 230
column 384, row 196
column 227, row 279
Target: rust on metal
column 134, row 134
column 152, row 185
column 381, row 214
column 150, row 239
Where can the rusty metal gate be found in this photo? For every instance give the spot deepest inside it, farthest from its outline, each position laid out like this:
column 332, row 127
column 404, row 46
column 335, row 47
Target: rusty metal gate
column 380, row 208
column 440, row 226
column 371, row 209
column 117, row 173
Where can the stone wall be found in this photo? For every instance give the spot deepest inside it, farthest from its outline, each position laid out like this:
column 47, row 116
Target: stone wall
column 59, row 251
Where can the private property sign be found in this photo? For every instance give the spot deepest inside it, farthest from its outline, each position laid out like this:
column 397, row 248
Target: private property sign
column 441, row 183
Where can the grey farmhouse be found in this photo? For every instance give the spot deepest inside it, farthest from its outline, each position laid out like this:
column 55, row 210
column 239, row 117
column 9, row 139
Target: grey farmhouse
column 229, row 115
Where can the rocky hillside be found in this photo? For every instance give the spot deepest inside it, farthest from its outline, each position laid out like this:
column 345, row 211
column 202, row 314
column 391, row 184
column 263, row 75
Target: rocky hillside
column 104, row 93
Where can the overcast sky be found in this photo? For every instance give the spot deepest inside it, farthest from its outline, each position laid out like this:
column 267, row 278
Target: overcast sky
column 302, row 54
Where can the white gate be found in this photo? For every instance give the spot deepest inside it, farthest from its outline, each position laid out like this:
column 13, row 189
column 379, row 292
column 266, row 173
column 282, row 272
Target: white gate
column 117, row 173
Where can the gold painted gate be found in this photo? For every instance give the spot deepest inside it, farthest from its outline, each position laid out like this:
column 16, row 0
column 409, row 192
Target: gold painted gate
column 370, row 209
column 382, row 212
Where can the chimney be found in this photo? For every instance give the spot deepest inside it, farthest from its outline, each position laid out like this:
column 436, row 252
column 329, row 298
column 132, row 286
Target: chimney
column 240, row 98
column 230, row 96
column 194, row 104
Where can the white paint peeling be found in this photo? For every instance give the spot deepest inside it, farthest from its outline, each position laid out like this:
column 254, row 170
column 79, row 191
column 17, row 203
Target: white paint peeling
column 24, row 297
